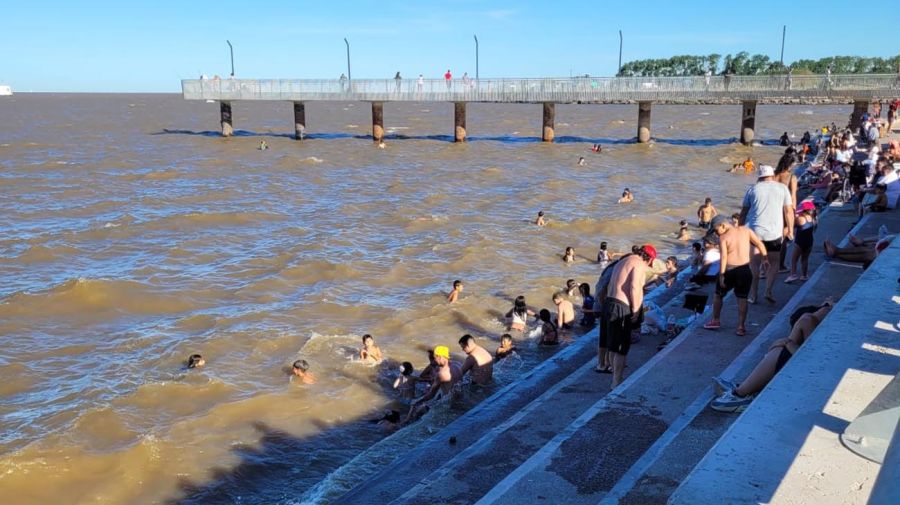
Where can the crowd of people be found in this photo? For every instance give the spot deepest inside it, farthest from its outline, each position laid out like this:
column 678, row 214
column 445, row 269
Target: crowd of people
column 738, row 252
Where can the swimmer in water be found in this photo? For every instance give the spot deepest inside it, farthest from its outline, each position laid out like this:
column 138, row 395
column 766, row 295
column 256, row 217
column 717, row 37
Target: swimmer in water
column 263, row 145
column 389, row 421
column 627, row 196
column 571, row 287
column 569, row 256
column 405, row 383
column 748, row 165
column 478, row 361
column 549, row 333
column 565, row 312
column 683, row 233
column 370, row 353
column 457, row 290
column 597, row 148
column 581, row 161
column 300, row 369
column 506, row 347
column 603, row 255
column 519, row 314
column 195, row 361
column 381, row 144
column 540, row 219
column 705, row 214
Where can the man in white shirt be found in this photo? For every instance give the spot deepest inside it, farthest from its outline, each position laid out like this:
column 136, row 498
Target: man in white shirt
column 769, row 211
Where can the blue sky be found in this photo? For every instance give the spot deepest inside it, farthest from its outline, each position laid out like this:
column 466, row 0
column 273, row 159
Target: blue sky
column 149, row 46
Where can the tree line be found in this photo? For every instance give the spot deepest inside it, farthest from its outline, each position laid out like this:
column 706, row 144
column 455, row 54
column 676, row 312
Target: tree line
column 743, row 63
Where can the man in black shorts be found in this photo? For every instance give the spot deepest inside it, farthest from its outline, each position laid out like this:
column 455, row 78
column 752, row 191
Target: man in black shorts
column 734, row 269
column 622, row 308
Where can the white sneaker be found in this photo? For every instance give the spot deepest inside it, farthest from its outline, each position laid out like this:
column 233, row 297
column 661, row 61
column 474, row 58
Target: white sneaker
column 723, row 386
column 730, row 402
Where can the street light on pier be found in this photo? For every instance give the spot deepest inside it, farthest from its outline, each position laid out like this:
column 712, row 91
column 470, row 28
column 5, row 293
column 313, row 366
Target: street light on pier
column 231, row 49
column 476, row 56
column 620, row 54
column 783, row 33
column 348, row 58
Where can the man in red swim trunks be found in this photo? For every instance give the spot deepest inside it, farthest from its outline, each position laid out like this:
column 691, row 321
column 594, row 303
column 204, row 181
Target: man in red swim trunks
column 448, row 77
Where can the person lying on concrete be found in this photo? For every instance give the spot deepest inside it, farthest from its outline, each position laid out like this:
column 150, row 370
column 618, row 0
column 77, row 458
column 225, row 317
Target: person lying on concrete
column 478, row 361
column 736, row 397
column 860, row 251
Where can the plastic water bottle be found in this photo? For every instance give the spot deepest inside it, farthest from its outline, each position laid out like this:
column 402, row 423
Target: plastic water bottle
column 882, row 232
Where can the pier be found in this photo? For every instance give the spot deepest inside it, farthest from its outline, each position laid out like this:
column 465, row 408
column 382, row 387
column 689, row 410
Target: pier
column 860, row 90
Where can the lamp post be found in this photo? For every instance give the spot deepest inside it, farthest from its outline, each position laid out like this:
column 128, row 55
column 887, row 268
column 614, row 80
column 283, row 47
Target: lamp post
column 476, row 56
column 783, row 33
column 231, row 49
column 620, row 54
column 348, row 58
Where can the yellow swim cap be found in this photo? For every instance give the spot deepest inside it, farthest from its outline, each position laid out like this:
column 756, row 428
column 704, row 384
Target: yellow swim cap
column 442, row 351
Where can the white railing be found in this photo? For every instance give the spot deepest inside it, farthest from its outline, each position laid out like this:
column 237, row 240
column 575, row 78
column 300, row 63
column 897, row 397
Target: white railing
column 575, row 89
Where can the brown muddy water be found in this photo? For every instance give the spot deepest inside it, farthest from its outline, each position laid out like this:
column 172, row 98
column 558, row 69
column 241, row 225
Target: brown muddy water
column 132, row 236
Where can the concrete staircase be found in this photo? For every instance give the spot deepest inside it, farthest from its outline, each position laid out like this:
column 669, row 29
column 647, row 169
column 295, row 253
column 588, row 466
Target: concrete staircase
column 560, row 436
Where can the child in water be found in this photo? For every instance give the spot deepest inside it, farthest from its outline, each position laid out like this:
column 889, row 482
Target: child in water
column 548, row 333
column 540, row 219
column 627, row 196
column 603, row 256
column 588, row 318
column 506, row 347
column 569, row 256
column 683, row 233
column 571, row 288
column 519, row 314
column 370, row 353
column 457, row 290
column 300, row 369
column 581, row 161
column 263, row 145
column 195, row 361
column 405, row 382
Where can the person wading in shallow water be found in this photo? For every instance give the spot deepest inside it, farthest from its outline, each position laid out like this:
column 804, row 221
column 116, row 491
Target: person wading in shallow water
column 478, row 361
column 446, row 375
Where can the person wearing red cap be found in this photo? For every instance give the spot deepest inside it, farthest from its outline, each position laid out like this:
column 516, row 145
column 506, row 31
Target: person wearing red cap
column 622, row 308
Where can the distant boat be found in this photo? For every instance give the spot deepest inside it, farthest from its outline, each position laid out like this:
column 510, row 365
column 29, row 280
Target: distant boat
column 5, row 90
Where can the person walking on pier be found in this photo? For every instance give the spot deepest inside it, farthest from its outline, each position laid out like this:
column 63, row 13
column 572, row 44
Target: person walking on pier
column 420, row 83
column 622, row 308
column 448, row 78
column 343, row 80
column 768, row 210
column 397, row 80
column 734, row 269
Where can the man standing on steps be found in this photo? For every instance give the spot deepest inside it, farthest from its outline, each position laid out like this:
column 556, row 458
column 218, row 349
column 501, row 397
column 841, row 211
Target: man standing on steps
column 734, row 269
column 769, row 211
column 622, row 308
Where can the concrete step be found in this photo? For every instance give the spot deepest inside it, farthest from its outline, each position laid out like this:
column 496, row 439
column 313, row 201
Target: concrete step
column 494, row 437
column 785, row 447
column 586, row 460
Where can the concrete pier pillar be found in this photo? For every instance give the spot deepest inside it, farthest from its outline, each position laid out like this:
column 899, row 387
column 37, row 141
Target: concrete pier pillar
column 860, row 107
column 299, row 120
column 643, row 133
column 377, row 121
column 547, row 133
column 459, row 113
column 225, row 113
column 748, row 121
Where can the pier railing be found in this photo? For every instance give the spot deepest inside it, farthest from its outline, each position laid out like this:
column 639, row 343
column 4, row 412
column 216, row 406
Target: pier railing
column 559, row 90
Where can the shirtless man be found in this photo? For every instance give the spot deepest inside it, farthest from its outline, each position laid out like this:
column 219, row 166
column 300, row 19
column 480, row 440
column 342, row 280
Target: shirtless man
column 705, row 214
column 540, row 219
column 565, row 312
column 370, row 353
column 622, row 307
column 734, row 269
column 478, row 361
column 446, row 375
column 300, row 369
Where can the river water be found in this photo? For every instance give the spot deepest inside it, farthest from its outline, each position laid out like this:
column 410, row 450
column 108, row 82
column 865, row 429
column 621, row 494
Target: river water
column 131, row 236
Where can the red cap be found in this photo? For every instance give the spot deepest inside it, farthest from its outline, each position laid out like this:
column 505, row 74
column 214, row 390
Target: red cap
column 650, row 250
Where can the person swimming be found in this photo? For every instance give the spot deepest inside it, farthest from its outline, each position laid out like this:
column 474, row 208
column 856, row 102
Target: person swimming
column 370, row 353
column 571, row 287
column 683, row 233
column 519, row 314
column 506, row 347
column 405, row 383
column 263, row 145
column 597, row 148
column 300, row 369
column 540, row 219
column 627, row 196
column 603, row 256
column 569, row 255
column 457, row 290
column 581, row 161
column 195, row 361
column 548, row 332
